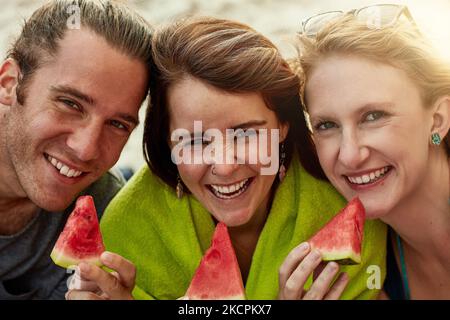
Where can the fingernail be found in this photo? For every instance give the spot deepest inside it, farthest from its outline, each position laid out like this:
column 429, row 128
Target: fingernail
column 107, row 257
column 333, row 266
column 303, row 246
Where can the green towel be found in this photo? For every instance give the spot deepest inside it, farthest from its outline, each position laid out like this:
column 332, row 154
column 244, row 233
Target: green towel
column 166, row 237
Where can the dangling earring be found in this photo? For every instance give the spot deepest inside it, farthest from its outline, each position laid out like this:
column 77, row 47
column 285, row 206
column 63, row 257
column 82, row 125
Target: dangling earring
column 436, row 139
column 179, row 188
column 282, row 169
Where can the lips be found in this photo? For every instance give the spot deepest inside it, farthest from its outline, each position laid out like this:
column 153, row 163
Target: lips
column 230, row 191
column 64, row 169
column 369, row 177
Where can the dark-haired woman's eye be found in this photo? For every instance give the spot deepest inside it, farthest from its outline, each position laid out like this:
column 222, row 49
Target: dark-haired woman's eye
column 325, row 125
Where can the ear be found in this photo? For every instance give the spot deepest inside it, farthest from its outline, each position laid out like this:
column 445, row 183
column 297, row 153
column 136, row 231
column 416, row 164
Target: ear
column 9, row 79
column 284, row 129
column 441, row 117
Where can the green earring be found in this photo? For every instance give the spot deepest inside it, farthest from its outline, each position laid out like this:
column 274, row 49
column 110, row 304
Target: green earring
column 436, row 139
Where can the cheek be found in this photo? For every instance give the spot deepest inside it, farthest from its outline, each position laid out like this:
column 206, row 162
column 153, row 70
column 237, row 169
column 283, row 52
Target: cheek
column 192, row 175
column 327, row 152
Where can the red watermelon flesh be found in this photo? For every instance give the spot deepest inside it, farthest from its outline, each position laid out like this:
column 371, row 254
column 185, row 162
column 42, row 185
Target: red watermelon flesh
column 341, row 238
column 81, row 239
column 218, row 276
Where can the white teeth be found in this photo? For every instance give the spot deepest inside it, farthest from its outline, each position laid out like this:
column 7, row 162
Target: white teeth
column 64, row 169
column 71, row 173
column 225, row 192
column 369, row 178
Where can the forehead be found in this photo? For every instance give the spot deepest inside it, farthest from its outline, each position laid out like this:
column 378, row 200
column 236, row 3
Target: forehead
column 193, row 100
column 85, row 61
column 344, row 82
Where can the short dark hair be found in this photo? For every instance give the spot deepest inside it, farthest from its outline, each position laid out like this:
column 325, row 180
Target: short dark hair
column 229, row 56
column 38, row 41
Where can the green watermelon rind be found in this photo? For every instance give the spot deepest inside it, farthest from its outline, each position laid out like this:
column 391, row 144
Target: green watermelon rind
column 342, row 257
column 66, row 262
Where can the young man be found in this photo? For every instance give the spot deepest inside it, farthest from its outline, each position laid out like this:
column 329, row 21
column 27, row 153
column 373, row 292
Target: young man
column 70, row 91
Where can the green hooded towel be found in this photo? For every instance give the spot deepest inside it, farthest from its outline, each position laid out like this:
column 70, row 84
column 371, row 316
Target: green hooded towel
column 166, row 237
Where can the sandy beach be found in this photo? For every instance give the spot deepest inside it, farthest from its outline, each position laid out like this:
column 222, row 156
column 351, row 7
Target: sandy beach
column 279, row 20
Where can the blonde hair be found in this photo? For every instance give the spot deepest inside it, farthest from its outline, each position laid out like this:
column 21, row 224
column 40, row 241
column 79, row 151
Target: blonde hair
column 400, row 45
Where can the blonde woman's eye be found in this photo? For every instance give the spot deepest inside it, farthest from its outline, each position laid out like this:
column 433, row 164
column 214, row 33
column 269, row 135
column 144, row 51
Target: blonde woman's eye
column 372, row 116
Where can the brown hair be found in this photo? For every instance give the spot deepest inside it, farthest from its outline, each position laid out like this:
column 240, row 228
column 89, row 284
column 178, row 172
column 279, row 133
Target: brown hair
column 400, row 45
column 229, row 56
column 38, row 42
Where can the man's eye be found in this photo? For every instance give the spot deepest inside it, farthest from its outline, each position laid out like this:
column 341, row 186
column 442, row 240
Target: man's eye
column 119, row 125
column 325, row 125
column 372, row 116
column 70, row 104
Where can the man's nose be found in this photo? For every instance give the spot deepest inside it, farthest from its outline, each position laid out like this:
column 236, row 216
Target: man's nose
column 352, row 153
column 85, row 141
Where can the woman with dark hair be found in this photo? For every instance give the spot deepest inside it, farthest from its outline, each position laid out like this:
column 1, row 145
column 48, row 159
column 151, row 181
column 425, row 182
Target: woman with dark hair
column 226, row 140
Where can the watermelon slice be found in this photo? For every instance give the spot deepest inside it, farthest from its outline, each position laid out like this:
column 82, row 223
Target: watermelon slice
column 81, row 239
column 218, row 276
column 340, row 239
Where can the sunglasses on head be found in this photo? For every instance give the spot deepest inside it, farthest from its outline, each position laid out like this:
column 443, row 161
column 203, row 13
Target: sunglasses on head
column 375, row 16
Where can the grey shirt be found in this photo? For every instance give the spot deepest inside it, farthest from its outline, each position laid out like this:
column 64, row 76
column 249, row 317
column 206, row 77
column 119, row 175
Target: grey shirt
column 26, row 269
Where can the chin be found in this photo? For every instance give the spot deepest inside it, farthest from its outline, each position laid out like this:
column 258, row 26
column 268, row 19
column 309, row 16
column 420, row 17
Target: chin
column 234, row 218
column 375, row 209
column 55, row 203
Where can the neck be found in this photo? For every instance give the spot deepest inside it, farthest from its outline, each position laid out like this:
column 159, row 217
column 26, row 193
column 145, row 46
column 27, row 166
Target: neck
column 245, row 237
column 16, row 210
column 15, row 215
column 423, row 219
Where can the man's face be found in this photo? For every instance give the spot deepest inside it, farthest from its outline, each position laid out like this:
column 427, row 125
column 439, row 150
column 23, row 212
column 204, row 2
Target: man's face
column 78, row 113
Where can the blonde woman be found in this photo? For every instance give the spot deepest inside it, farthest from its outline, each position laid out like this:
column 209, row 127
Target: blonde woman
column 378, row 98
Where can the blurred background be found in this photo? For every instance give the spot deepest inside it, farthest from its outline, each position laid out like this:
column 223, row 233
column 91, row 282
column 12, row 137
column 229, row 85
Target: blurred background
column 278, row 20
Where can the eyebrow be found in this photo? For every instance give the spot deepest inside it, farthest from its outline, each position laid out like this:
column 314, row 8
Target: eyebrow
column 361, row 110
column 245, row 125
column 89, row 100
column 73, row 92
column 253, row 123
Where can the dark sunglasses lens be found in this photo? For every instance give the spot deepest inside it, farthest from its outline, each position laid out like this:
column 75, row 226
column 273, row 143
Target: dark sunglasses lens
column 315, row 23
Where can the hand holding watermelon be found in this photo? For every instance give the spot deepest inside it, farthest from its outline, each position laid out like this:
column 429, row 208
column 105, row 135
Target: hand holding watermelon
column 117, row 285
column 339, row 240
column 80, row 244
column 296, row 269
